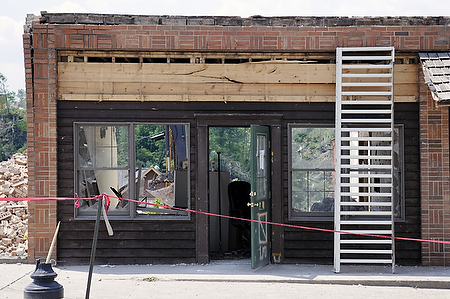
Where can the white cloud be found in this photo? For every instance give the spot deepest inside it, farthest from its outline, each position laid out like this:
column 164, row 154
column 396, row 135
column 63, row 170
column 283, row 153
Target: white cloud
column 11, row 53
column 67, row 6
column 239, row 8
column 9, row 30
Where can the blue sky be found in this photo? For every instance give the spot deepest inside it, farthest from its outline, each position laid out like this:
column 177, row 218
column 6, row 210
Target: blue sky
column 13, row 15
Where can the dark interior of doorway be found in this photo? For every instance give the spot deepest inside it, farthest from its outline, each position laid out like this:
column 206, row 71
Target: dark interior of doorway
column 229, row 161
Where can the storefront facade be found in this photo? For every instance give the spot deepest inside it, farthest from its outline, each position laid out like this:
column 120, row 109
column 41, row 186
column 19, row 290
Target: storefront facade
column 97, row 83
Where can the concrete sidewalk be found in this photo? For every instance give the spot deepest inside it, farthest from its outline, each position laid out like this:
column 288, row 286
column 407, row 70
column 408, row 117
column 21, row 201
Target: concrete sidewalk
column 110, row 278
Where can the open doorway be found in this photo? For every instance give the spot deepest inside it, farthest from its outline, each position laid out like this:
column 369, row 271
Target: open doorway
column 229, row 191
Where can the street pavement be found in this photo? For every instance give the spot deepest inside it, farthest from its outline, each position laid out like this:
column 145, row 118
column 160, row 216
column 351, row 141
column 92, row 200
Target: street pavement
column 236, row 279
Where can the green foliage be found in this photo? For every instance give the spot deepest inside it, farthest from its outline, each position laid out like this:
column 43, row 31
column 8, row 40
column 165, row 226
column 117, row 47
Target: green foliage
column 312, row 147
column 13, row 123
column 234, row 145
column 314, row 141
column 21, row 99
column 122, row 145
column 149, row 152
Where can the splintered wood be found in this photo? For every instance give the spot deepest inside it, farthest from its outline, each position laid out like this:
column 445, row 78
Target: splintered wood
column 14, row 214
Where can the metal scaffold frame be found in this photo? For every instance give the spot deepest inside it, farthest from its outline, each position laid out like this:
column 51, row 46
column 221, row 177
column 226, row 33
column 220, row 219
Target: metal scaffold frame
column 364, row 176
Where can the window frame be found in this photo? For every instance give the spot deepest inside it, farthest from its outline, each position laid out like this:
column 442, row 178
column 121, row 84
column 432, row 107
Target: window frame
column 299, row 216
column 132, row 174
column 329, row 216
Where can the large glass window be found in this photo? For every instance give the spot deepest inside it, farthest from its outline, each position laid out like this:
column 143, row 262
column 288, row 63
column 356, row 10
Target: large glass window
column 144, row 162
column 311, row 170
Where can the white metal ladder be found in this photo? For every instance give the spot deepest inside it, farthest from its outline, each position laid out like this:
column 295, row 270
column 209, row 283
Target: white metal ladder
column 364, row 157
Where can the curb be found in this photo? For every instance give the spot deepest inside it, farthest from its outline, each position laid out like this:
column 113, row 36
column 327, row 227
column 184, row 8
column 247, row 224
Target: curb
column 420, row 284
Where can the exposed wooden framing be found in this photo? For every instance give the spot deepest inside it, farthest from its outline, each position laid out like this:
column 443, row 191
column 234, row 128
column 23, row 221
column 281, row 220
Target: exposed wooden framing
column 260, row 81
column 213, row 76
column 400, row 57
column 210, row 98
column 304, row 56
column 245, row 73
column 270, row 72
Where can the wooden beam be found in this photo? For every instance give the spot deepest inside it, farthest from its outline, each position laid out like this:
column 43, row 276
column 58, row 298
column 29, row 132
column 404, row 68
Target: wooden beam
column 249, row 73
column 246, row 73
column 267, row 81
column 209, row 98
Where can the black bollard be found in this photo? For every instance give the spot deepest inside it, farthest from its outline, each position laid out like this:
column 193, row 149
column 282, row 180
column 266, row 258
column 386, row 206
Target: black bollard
column 44, row 285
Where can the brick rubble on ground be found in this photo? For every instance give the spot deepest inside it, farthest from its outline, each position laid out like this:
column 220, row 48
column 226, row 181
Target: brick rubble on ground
column 14, row 214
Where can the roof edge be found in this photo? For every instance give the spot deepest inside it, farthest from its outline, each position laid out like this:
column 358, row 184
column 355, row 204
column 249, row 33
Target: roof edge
column 293, row 21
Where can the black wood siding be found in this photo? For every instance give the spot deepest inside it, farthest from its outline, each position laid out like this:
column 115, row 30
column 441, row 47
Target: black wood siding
column 172, row 241
column 134, row 241
column 317, row 247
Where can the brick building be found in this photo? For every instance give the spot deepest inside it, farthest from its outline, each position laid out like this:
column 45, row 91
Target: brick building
column 94, row 81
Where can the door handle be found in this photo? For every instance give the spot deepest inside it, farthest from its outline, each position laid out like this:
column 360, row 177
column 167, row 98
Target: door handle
column 252, row 205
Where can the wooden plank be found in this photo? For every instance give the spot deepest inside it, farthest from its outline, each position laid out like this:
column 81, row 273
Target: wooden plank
column 185, row 80
column 126, row 260
column 272, row 72
column 169, row 88
column 215, row 89
column 133, row 234
column 141, row 253
column 132, row 243
column 212, row 98
column 194, row 92
column 250, row 73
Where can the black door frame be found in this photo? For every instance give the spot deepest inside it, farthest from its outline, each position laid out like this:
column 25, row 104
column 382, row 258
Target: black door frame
column 203, row 122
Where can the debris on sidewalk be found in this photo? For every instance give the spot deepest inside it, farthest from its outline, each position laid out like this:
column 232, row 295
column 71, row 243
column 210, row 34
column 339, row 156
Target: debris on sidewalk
column 14, row 214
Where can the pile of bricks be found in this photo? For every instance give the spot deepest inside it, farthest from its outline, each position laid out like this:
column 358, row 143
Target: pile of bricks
column 14, row 214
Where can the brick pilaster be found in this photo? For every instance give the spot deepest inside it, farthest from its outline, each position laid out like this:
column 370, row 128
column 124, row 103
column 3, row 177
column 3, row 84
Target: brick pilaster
column 41, row 88
column 435, row 184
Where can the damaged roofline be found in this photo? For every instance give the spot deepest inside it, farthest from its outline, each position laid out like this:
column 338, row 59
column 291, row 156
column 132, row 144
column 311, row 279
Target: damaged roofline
column 294, row 21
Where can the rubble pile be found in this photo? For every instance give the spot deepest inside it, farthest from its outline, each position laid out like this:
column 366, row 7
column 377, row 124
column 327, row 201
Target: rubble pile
column 14, row 214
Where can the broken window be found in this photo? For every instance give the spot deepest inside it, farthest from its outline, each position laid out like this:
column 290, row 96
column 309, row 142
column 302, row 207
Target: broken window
column 147, row 163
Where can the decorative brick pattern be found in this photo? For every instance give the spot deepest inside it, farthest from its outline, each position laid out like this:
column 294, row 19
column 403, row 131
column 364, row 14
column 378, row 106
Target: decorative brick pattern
column 67, row 31
column 175, row 37
column 41, row 86
column 435, row 179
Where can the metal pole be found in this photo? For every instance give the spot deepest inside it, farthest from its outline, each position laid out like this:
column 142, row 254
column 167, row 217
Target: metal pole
column 94, row 246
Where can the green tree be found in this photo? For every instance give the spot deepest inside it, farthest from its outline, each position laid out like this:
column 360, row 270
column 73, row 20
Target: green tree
column 312, row 146
column 6, row 97
column 149, row 151
column 21, row 99
column 13, row 125
column 234, row 145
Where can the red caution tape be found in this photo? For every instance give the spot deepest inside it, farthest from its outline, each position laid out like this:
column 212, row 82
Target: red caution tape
column 107, row 203
column 78, row 202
